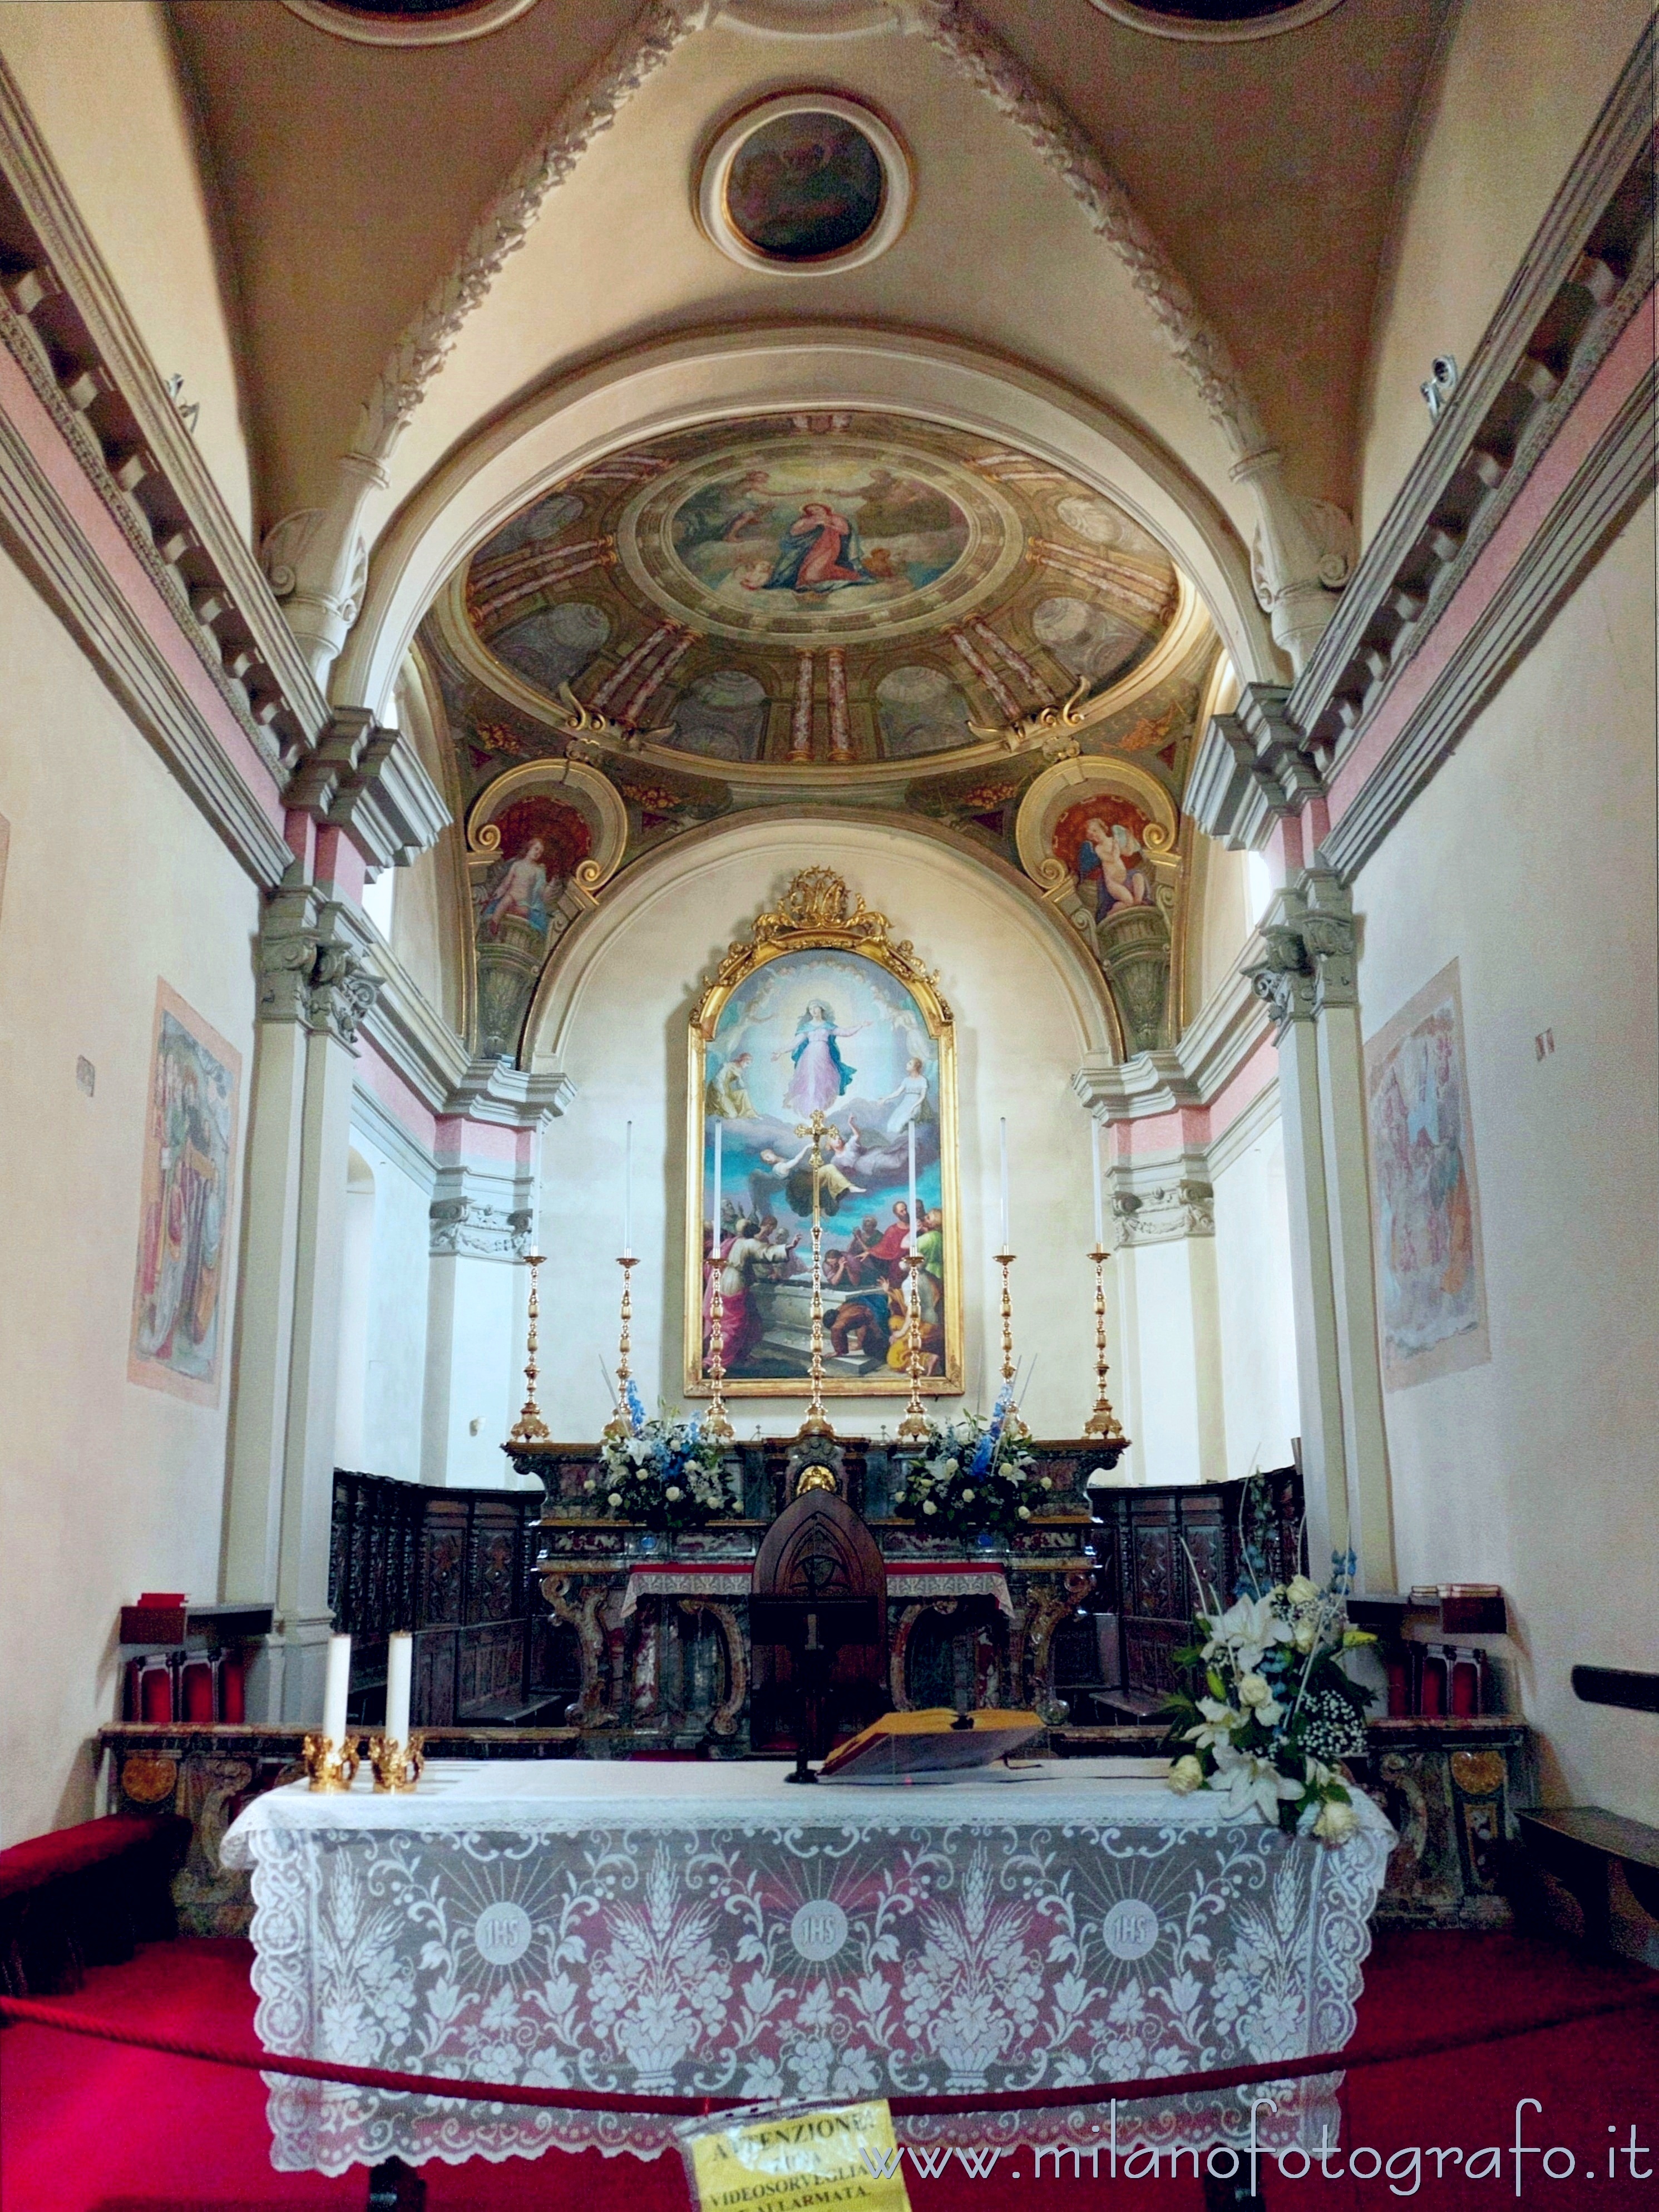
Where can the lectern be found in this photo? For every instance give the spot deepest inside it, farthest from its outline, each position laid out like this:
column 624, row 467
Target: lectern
column 819, row 1590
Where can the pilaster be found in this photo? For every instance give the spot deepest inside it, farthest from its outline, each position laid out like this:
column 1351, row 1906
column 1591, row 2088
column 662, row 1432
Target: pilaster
column 1282, row 975
column 482, row 1217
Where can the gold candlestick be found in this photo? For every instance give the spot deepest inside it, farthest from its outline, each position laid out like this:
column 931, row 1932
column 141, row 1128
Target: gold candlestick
column 530, row 1428
column 816, row 1423
column 1103, row 1422
column 1004, row 1260
column 331, row 1766
column 397, row 1766
column 716, row 1422
column 619, row 1424
column 913, row 1429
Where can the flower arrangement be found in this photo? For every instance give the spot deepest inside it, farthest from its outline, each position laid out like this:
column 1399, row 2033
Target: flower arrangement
column 667, row 1471
column 975, row 1474
column 1280, row 1715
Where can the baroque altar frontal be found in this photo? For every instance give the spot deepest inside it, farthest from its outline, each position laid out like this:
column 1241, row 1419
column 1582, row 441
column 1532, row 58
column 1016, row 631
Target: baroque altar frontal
column 673, row 1930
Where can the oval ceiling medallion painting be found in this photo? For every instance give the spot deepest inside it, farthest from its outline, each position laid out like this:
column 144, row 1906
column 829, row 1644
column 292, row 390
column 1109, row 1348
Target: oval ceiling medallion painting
column 803, row 183
column 845, row 588
column 409, row 23
column 1222, row 21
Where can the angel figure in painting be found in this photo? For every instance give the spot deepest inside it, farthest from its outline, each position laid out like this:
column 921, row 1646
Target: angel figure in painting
column 1105, row 868
column 909, row 1101
column 821, row 1074
column 819, row 552
column 522, row 893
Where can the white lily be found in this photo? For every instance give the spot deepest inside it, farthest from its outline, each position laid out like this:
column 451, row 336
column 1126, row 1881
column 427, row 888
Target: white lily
column 1250, row 1784
column 1218, row 1725
column 1249, row 1628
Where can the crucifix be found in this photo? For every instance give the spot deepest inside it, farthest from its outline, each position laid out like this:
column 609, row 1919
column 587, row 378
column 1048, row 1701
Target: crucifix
column 816, row 1423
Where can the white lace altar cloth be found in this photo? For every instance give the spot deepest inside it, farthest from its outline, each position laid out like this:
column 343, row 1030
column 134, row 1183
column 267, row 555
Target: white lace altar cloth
column 696, row 1929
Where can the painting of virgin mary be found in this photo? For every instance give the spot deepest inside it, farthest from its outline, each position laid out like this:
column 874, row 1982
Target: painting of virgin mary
column 821, row 1074
column 820, row 552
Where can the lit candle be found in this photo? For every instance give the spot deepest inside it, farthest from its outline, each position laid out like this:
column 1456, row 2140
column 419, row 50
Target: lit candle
column 628, row 1192
column 1003, row 1128
column 334, row 1695
column 399, row 1665
column 719, row 1133
column 1094, row 1136
column 911, row 1132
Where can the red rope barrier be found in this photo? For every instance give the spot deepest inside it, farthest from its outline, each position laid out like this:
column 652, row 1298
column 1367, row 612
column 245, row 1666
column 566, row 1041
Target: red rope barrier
column 1010, row 2100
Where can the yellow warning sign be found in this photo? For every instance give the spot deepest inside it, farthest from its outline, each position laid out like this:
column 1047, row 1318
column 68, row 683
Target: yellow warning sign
column 845, row 2161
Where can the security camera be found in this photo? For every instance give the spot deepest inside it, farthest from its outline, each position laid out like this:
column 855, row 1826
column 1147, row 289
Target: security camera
column 1442, row 383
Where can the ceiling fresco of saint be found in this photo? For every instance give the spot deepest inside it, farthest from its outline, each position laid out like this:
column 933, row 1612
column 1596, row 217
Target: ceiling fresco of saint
column 847, row 589
column 845, row 610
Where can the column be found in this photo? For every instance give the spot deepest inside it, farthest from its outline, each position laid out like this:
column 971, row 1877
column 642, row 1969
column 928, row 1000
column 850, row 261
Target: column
column 315, row 988
column 1328, row 931
column 1281, row 975
column 483, row 1214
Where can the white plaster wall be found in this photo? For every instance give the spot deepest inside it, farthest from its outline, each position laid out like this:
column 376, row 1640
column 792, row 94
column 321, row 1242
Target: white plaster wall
column 1257, row 1329
column 1530, row 859
column 1169, row 1362
column 105, row 90
column 1020, row 1035
column 474, row 1382
column 106, row 1487
column 395, row 1367
column 1510, row 100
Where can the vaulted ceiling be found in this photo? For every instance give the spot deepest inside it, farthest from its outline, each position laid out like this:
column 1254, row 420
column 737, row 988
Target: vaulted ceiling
column 349, row 177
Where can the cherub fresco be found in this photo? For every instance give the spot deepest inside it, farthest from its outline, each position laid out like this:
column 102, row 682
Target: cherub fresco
column 1101, row 841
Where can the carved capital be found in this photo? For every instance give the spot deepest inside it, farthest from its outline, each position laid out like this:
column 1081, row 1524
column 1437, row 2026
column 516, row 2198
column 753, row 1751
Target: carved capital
column 342, row 991
column 1165, row 1213
column 312, row 962
column 470, row 1228
column 1282, row 975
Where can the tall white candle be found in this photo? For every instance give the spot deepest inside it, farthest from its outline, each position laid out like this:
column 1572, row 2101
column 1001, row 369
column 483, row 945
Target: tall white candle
column 719, row 1133
column 628, row 1192
column 910, row 1131
column 399, row 1665
column 334, row 1694
column 1094, row 1136
column 1003, row 1128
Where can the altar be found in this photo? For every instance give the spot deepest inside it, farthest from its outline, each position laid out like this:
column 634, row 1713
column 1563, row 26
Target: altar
column 672, row 1929
column 660, row 1620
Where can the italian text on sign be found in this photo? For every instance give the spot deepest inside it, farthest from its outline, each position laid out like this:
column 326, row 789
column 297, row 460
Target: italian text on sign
column 845, row 2161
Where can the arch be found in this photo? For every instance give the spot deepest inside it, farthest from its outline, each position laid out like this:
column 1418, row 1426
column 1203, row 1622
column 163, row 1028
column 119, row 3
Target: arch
column 677, row 383
column 863, row 845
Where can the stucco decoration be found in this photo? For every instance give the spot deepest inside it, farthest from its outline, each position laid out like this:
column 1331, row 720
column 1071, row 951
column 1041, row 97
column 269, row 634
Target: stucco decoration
column 1100, row 837
column 834, row 590
column 541, row 842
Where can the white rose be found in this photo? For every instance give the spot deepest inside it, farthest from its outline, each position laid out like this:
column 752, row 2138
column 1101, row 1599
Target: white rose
column 1186, row 1774
column 1336, row 1821
column 1047, row 1481
column 967, row 1496
column 615, row 1498
column 1300, row 1591
column 1255, row 1690
column 1305, row 1634
column 928, row 1506
column 1025, row 1512
column 673, row 1493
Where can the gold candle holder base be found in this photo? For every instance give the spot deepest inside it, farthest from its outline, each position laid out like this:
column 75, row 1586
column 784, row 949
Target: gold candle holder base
column 619, row 1425
column 330, row 1766
column 396, row 1765
column 1103, row 1424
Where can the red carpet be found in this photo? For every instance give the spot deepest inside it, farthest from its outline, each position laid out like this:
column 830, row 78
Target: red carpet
column 89, row 2127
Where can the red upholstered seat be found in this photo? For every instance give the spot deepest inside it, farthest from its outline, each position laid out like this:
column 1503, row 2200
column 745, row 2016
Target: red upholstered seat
column 66, row 1851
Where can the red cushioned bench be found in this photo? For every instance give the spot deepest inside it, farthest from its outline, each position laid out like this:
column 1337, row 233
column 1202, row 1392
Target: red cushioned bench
column 85, row 1896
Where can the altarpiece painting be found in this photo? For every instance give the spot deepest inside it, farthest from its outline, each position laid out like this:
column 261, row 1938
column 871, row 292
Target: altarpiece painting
column 1430, row 1278
column 189, row 1148
column 819, row 1010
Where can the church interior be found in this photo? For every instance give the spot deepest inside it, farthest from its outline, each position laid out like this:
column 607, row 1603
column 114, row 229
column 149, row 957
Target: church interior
column 832, row 1031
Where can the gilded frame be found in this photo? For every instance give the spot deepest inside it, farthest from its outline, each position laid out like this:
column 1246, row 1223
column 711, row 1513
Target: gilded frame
column 818, row 913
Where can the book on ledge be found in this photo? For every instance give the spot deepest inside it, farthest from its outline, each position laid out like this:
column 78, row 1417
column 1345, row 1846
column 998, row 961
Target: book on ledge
column 929, row 1745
